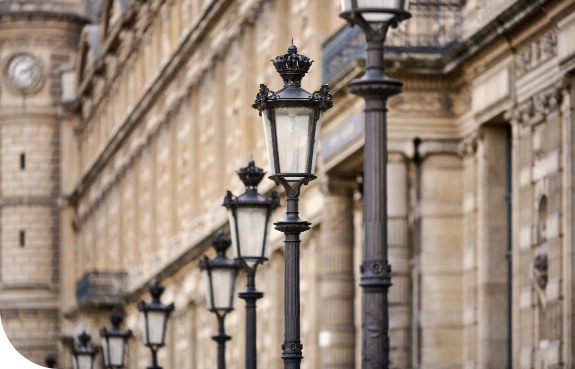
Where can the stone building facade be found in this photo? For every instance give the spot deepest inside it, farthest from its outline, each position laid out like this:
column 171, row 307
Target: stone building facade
column 142, row 114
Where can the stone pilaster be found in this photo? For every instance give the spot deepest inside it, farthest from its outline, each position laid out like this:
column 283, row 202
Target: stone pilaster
column 336, row 286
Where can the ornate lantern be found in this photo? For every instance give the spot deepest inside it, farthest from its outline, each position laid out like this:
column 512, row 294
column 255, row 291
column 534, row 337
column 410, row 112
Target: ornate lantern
column 250, row 217
column 83, row 357
column 375, row 11
column 154, row 317
column 115, row 342
column 220, row 275
column 292, row 119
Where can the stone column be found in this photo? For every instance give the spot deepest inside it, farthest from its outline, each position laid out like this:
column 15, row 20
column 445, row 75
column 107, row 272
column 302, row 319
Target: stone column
column 336, row 283
column 399, row 259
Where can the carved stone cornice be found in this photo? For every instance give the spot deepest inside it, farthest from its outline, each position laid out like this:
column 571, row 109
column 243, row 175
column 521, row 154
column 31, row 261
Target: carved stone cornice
column 538, row 107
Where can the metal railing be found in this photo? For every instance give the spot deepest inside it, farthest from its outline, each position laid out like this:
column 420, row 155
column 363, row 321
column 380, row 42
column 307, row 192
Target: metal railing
column 101, row 287
column 434, row 28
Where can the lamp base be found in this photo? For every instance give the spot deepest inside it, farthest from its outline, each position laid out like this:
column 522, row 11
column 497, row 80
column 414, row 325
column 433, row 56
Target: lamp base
column 154, row 367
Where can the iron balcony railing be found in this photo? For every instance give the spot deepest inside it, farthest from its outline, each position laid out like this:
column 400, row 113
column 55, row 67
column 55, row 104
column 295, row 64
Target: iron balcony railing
column 101, row 287
column 434, row 28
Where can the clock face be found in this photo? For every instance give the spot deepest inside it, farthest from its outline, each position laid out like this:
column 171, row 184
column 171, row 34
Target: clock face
column 23, row 71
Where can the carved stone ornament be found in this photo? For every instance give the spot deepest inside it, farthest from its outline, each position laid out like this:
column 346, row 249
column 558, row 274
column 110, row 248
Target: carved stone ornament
column 536, row 53
column 538, row 107
column 23, row 74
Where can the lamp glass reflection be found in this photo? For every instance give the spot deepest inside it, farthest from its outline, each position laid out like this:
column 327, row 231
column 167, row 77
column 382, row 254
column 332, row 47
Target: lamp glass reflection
column 114, row 356
column 83, row 361
column 252, row 226
column 293, row 125
column 154, row 335
column 220, row 295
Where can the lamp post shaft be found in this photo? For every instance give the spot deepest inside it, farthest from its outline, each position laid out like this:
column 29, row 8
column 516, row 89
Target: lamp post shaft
column 292, row 227
column 221, row 337
column 375, row 88
column 154, row 359
column 251, row 295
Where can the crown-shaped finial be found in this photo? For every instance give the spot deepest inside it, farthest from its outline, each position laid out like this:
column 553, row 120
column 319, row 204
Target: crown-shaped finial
column 84, row 339
column 292, row 66
column 251, row 176
column 116, row 319
column 156, row 290
column 221, row 243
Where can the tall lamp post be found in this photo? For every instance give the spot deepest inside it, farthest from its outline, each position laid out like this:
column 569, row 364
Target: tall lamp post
column 292, row 120
column 375, row 18
column 220, row 275
column 115, row 342
column 250, row 220
column 154, row 318
column 83, row 356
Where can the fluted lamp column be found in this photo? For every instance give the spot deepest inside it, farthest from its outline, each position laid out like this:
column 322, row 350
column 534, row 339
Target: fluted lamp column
column 375, row 17
column 115, row 342
column 154, row 318
column 83, row 356
column 250, row 222
column 220, row 274
column 292, row 121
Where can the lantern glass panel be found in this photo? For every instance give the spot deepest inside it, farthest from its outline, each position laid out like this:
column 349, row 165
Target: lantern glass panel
column 232, row 220
column 293, row 125
column 269, row 146
column 105, row 351
column 345, row 5
column 252, row 227
column 208, row 289
column 223, row 281
column 82, row 361
column 115, row 352
column 154, row 335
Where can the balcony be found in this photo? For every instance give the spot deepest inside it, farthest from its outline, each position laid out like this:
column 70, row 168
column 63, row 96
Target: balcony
column 101, row 288
column 435, row 27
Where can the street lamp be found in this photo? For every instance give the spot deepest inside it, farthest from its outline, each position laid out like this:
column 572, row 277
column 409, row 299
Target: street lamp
column 292, row 120
column 83, row 357
column 115, row 342
column 375, row 11
column 375, row 17
column 50, row 361
column 154, row 319
column 250, row 222
column 220, row 275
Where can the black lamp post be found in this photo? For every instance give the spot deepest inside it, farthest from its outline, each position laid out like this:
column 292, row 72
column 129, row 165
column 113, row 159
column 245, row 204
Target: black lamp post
column 292, row 118
column 115, row 342
column 83, row 356
column 250, row 221
column 220, row 275
column 50, row 361
column 154, row 318
column 375, row 17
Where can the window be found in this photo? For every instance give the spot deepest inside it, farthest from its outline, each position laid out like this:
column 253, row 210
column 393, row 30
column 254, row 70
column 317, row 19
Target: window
column 22, row 238
column 22, row 161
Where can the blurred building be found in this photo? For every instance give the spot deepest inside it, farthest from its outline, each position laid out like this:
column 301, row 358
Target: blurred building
column 123, row 122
